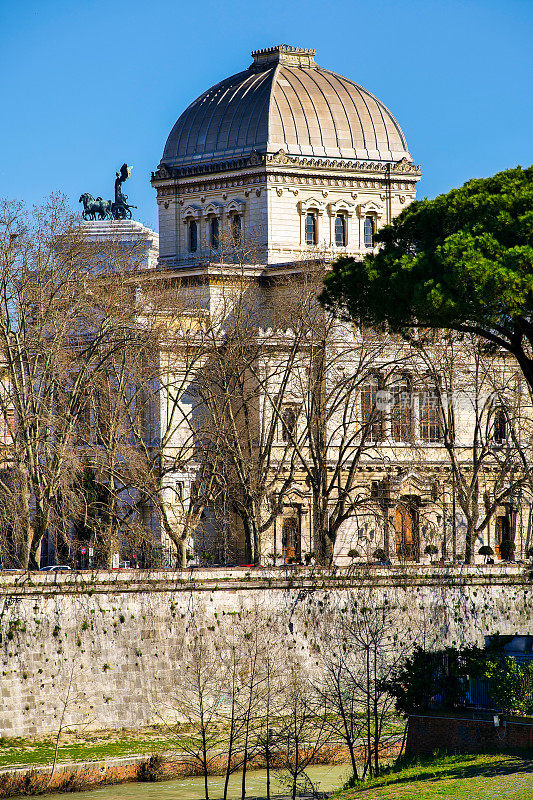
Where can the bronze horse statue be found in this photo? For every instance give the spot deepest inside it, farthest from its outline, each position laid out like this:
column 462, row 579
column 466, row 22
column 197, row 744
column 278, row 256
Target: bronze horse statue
column 92, row 207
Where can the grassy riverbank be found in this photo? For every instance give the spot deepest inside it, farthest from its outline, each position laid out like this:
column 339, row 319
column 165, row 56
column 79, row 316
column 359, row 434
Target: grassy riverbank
column 79, row 746
column 461, row 777
column 76, row 745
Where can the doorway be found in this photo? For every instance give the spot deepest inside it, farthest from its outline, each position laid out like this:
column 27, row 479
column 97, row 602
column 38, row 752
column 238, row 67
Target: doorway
column 504, row 545
column 406, row 524
column 290, row 540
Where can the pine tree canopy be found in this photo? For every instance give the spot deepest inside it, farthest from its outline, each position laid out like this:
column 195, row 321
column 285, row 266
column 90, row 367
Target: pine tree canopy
column 462, row 261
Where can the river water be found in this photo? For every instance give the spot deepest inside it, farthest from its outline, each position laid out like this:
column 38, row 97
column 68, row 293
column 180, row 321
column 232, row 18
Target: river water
column 325, row 779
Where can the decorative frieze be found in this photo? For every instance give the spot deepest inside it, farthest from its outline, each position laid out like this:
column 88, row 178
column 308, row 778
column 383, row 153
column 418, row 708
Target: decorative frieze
column 255, row 159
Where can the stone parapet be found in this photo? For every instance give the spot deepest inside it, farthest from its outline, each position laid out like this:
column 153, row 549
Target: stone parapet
column 271, row 578
column 123, row 637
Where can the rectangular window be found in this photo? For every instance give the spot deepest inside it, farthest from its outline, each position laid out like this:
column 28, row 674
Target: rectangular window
column 310, row 228
column 369, row 231
column 401, row 411
column 289, row 416
column 340, row 230
column 430, row 417
column 371, row 416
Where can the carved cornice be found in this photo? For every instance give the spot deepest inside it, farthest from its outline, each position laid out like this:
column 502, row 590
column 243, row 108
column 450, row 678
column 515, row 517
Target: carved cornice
column 281, row 158
column 290, row 180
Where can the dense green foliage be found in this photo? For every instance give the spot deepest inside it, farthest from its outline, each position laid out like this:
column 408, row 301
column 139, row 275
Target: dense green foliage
column 462, row 261
column 511, row 685
column 427, row 679
column 439, row 679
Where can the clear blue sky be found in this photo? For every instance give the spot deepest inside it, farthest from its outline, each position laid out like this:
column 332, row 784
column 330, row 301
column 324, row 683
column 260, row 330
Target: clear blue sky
column 88, row 84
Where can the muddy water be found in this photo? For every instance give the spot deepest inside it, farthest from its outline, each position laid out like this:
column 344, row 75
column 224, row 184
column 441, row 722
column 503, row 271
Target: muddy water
column 324, row 778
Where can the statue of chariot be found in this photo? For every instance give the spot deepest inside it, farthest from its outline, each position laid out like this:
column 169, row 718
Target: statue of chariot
column 107, row 209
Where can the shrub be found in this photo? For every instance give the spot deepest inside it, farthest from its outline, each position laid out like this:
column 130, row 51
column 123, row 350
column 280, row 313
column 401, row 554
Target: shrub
column 511, row 685
column 152, row 769
column 436, row 679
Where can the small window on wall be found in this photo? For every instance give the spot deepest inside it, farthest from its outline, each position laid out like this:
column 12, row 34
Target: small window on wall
column 369, row 231
column 236, row 229
column 288, row 423
column 499, row 434
column 311, row 228
column 340, row 230
column 213, row 233
column 193, row 236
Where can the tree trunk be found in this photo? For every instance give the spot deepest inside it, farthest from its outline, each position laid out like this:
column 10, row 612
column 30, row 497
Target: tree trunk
column 26, row 526
column 40, row 527
column 469, row 542
column 323, row 542
column 182, row 552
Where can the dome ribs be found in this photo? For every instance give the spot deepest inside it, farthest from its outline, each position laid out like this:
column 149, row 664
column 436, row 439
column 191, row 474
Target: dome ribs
column 285, row 101
column 309, row 111
column 253, row 92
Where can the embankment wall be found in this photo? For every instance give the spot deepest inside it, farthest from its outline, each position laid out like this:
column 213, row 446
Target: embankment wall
column 103, row 650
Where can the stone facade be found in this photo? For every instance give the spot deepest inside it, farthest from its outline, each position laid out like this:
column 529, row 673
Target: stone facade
column 110, row 646
column 309, row 166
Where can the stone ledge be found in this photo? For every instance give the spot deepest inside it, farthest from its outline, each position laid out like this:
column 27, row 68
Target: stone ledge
column 249, row 578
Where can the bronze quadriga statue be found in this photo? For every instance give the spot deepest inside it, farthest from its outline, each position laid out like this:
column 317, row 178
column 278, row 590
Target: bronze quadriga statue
column 106, row 209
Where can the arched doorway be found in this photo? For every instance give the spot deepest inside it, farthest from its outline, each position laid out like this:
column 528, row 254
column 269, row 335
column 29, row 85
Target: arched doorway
column 406, row 524
column 289, row 539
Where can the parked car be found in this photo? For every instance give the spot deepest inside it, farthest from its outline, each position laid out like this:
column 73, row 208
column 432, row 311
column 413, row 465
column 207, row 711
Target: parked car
column 56, row 568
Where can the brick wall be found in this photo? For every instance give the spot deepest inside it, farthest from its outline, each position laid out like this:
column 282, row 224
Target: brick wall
column 466, row 734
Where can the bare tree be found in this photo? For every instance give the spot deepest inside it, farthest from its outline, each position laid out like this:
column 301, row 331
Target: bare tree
column 363, row 641
column 66, row 315
column 332, row 433
column 192, row 711
column 480, row 415
column 302, row 729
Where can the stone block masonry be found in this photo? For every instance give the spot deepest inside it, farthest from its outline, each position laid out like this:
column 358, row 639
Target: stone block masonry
column 104, row 649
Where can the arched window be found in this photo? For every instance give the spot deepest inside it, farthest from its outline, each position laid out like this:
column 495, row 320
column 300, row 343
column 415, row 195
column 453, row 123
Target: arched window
column 340, row 230
column 369, row 231
column 193, row 236
column 236, row 229
column 213, row 233
column 310, row 228
column 371, row 415
column 401, row 410
column 288, row 423
column 499, row 433
column 430, row 416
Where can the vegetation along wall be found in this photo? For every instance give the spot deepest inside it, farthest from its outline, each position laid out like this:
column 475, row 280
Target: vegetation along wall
column 113, row 649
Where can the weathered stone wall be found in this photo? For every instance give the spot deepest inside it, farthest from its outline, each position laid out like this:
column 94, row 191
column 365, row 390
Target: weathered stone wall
column 102, row 647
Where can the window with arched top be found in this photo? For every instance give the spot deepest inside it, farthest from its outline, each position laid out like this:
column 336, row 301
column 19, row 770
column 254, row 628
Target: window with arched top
column 192, row 236
column 213, row 233
column 340, row 230
column 369, row 231
column 499, row 431
column 430, row 416
column 401, row 414
column 236, row 229
column 371, row 415
column 311, row 233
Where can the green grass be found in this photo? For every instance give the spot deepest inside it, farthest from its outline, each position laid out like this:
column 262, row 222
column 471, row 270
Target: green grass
column 88, row 747
column 462, row 777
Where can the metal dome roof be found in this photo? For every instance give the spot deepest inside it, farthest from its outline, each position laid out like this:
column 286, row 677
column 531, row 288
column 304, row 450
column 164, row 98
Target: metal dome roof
column 285, row 101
